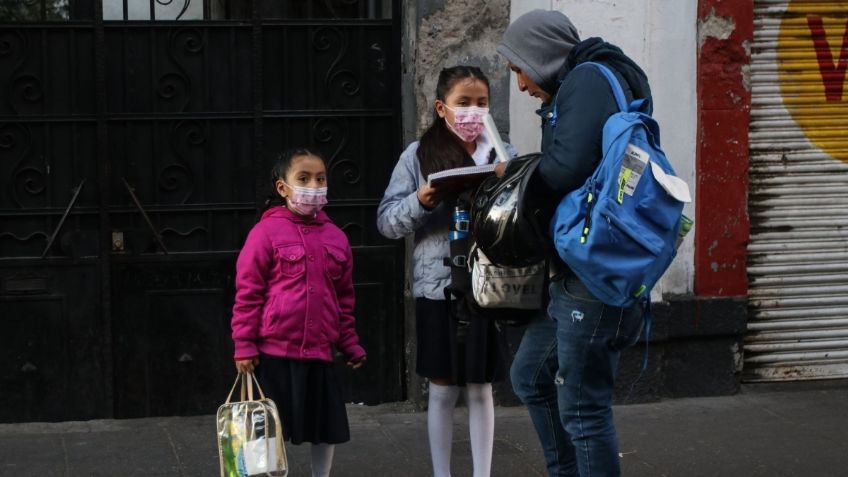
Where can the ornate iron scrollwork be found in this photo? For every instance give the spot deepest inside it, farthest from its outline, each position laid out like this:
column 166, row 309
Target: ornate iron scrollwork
column 201, row 232
column 186, row 4
column 344, row 79
column 33, row 236
column 191, row 38
column 175, row 177
column 30, row 179
column 175, row 85
column 26, row 87
column 8, row 40
column 347, row 168
column 178, row 177
column 333, row 133
column 26, row 180
column 15, row 141
column 14, row 46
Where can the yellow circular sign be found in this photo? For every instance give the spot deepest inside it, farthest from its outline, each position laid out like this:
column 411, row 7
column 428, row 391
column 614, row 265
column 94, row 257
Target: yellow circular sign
column 812, row 54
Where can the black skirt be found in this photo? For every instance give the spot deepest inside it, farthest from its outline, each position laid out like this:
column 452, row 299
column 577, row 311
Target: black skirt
column 463, row 353
column 308, row 398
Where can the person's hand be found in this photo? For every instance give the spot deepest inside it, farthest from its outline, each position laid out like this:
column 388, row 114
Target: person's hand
column 356, row 364
column 244, row 366
column 500, row 168
column 429, row 196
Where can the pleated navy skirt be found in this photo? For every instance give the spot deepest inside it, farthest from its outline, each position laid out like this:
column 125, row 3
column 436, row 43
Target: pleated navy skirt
column 463, row 353
column 308, row 398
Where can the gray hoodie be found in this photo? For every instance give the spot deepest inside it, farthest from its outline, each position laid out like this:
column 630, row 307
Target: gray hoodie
column 538, row 43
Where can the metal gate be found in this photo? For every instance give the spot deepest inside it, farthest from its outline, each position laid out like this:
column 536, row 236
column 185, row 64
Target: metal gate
column 798, row 252
column 136, row 139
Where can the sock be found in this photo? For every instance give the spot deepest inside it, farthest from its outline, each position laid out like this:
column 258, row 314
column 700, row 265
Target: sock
column 322, row 459
column 481, row 426
column 440, row 408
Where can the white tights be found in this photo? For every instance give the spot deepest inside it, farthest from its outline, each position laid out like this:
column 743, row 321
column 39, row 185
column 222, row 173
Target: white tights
column 322, row 459
column 481, row 426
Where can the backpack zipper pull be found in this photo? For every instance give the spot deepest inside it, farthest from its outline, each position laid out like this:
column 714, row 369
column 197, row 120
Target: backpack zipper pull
column 622, row 182
column 587, row 221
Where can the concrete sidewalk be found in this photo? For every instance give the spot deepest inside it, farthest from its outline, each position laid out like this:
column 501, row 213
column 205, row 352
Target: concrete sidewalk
column 795, row 429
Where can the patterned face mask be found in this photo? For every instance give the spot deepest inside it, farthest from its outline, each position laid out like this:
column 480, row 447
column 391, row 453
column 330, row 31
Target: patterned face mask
column 467, row 122
column 307, row 201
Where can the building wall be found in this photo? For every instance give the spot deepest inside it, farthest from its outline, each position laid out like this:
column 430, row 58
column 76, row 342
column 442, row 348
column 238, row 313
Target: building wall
column 725, row 32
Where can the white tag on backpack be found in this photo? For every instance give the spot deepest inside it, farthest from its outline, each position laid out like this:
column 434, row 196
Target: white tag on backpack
column 675, row 186
column 632, row 168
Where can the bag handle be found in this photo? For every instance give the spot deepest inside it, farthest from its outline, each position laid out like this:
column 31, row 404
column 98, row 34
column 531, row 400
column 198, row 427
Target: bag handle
column 247, row 381
column 232, row 390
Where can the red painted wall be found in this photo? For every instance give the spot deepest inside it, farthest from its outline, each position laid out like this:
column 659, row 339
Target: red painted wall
column 724, row 106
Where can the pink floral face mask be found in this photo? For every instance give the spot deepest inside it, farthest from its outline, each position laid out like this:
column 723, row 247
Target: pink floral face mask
column 307, row 201
column 467, row 122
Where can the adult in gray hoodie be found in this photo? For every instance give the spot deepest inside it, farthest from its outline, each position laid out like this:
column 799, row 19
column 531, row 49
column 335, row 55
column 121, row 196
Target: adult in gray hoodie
column 565, row 368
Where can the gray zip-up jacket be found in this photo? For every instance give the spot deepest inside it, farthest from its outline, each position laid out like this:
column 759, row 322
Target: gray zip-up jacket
column 400, row 214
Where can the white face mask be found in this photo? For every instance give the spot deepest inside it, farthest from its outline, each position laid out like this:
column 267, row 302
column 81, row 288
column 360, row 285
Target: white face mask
column 307, row 201
column 467, row 121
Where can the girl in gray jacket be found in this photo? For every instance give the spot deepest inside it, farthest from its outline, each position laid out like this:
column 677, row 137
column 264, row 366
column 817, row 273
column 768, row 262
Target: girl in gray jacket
column 410, row 206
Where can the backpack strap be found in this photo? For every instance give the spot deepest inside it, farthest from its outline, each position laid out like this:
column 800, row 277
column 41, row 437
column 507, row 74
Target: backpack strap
column 617, row 91
column 647, row 318
column 641, row 105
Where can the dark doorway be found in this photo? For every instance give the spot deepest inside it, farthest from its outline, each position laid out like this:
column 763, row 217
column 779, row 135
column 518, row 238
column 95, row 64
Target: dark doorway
column 135, row 143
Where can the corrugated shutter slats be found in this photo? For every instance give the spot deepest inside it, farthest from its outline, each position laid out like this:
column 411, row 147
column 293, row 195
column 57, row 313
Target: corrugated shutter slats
column 798, row 204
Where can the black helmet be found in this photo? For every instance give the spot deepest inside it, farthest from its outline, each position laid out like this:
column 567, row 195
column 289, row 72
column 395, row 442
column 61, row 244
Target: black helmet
column 505, row 229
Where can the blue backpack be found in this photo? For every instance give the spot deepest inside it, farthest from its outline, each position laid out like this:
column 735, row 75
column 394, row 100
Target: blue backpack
column 617, row 232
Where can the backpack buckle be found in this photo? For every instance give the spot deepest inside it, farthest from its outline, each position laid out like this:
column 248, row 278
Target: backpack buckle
column 460, row 261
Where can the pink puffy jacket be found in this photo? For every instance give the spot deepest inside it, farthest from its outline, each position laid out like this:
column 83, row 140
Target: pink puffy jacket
column 294, row 290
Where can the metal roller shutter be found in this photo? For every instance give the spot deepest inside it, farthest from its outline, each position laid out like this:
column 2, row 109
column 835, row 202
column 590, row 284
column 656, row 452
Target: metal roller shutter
column 798, row 202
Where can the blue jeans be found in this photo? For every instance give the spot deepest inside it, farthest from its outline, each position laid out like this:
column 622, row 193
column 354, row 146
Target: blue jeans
column 564, row 372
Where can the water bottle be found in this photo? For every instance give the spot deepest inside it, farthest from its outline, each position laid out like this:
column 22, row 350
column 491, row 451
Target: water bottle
column 459, row 227
column 460, row 275
column 685, row 226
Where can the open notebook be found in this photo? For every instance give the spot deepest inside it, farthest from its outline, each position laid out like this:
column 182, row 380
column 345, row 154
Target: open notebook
column 471, row 176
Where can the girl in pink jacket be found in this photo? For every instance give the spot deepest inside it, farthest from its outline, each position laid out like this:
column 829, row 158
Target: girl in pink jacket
column 294, row 303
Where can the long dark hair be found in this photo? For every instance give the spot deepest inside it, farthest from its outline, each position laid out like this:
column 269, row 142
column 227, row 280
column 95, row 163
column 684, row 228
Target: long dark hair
column 439, row 148
column 282, row 164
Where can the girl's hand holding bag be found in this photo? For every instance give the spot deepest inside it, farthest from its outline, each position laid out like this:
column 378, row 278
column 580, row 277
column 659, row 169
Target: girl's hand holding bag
column 250, row 435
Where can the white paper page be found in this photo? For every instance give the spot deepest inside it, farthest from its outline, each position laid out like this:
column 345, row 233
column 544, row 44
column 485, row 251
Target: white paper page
column 675, row 186
column 495, row 137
